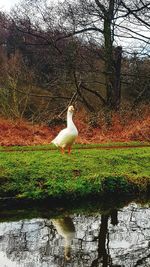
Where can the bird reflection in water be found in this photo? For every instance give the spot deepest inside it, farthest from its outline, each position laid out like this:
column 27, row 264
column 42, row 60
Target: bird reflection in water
column 66, row 229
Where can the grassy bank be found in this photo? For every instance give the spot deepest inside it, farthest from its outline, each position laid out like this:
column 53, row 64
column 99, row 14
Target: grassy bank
column 42, row 174
column 76, row 146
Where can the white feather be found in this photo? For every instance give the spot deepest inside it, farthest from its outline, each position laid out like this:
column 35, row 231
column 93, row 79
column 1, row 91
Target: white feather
column 67, row 136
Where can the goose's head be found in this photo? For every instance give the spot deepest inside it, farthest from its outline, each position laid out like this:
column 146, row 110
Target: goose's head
column 71, row 109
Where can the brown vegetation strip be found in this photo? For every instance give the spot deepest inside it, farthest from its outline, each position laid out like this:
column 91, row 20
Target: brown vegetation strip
column 94, row 147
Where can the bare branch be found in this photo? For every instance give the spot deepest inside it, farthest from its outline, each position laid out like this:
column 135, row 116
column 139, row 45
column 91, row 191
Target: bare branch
column 101, row 6
column 93, row 92
column 133, row 12
column 79, row 32
column 78, row 85
column 36, row 95
column 72, row 100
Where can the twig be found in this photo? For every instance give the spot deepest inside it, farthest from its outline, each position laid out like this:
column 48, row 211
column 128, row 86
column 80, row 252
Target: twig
column 72, row 100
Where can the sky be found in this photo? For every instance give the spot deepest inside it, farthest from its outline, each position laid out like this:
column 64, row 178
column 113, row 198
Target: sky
column 6, row 5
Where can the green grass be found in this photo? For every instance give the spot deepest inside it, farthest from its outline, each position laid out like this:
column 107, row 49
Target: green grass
column 42, row 174
column 51, row 146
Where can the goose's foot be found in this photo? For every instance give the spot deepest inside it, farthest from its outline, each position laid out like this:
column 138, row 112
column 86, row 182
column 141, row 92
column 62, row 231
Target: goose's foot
column 62, row 151
column 69, row 150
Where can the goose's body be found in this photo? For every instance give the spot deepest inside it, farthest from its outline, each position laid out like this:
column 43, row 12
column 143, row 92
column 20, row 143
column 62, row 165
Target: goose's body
column 67, row 136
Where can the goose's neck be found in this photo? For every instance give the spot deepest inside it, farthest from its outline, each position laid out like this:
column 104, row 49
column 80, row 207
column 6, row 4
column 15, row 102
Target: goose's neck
column 70, row 123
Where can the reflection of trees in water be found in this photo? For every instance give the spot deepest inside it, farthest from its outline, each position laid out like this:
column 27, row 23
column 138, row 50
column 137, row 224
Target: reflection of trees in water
column 103, row 255
column 117, row 239
column 28, row 241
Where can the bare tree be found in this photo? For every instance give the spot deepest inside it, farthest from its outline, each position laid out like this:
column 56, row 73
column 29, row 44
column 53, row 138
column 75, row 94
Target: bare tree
column 52, row 38
column 96, row 18
column 111, row 23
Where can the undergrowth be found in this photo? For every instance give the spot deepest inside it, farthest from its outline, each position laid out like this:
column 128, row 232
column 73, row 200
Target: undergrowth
column 123, row 126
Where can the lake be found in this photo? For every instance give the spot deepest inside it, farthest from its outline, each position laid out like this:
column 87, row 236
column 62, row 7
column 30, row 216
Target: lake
column 116, row 237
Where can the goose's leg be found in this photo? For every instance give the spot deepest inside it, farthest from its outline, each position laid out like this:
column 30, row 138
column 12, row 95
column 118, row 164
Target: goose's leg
column 62, row 150
column 69, row 150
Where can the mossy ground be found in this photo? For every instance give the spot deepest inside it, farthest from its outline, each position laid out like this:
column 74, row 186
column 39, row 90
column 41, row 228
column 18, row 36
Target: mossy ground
column 44, row 174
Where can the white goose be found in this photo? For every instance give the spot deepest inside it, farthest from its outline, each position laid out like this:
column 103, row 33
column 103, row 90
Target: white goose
column 67, row 136
column 66, row 229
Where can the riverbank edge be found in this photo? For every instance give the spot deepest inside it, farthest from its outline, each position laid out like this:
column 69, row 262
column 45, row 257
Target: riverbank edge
column 110, row 187
column 13, row 209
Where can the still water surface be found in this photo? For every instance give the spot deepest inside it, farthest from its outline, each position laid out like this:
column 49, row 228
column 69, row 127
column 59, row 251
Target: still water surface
column 118, row 238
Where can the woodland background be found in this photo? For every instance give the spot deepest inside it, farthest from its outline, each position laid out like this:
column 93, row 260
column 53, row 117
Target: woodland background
column 92, row 54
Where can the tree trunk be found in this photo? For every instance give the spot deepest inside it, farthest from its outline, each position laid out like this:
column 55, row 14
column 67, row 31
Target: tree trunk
column 109, row 66
column 117, row 75
column 112, row 66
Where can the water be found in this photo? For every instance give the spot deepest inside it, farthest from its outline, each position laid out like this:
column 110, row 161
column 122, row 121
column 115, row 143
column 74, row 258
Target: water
column 114, row 238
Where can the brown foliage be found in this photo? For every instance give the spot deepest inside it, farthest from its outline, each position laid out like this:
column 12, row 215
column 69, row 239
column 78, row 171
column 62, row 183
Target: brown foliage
column 22, row 133
column 124, row 127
